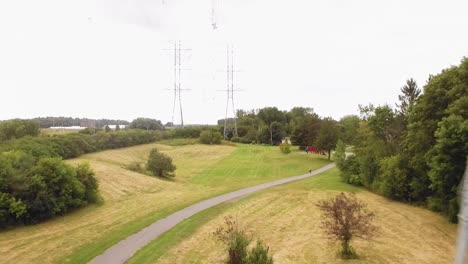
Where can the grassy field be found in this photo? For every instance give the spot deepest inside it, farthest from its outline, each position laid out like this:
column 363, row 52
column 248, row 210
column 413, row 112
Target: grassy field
column 133, row 201
column 287, row 220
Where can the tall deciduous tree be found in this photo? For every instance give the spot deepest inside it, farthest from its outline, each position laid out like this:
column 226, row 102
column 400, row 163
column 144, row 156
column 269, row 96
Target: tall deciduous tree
column 328, row 135
column 273, row 119
column 348, row 128
column 146, row 124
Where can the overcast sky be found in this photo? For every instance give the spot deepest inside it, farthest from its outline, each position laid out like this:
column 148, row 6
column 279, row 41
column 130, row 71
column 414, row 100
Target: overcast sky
column 109, row 58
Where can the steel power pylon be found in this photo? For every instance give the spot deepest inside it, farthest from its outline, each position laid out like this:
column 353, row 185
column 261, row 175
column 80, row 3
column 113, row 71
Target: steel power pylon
column 177, row 89
column 230, row 89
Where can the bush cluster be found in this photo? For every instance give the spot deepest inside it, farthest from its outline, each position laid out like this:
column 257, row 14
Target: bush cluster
column 160, row 165
column 237, row 244
column 210, row 137
column 75, row 144
column 33, row 189
column 285, row 148
column 35, row 183
column 18, row 128
column 417, row 152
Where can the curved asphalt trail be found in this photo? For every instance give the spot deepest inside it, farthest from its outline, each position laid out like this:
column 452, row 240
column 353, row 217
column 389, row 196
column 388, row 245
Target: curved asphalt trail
column 122, row 251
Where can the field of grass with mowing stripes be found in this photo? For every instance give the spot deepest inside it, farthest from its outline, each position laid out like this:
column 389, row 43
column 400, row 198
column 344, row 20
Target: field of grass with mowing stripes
column 133, row 201
column 286, row 219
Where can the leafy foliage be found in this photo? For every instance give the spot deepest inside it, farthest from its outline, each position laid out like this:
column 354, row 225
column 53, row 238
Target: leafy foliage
column 74, row 144
column 33, row 189
column 159, row 164
column 285, row 148
column 328, row 135
column 210, row 137
column 340, row 153
column 146, row 124
column 18, row 128
column 418, row 152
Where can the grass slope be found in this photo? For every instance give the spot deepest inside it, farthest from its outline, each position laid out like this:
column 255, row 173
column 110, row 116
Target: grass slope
column 133, row 201
column 286, row 218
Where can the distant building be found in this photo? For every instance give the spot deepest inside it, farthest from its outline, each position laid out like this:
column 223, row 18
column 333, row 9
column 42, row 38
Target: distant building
column 68, row 128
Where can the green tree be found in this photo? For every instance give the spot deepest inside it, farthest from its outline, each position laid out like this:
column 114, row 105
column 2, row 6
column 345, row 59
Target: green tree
column 18, row 128
column 107, row 128
column 447, row 163
column 340, row 153
column 304, row 130
column 210, row 137
column 159, row 164
column 393, row 178
column 440, row 93
column 348, row 128
column 87, row 177
column 285, row 148
column 117, row 128
column 410, row 93
column 146, row 124
column 273, row 119
column 328, row 135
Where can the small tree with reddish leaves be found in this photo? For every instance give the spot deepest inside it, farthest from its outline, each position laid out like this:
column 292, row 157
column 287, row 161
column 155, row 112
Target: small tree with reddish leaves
column 346, row 218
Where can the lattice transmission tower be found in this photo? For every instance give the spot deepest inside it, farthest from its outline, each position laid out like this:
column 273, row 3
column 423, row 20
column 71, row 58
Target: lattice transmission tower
column 177, row 89
column 230, row 90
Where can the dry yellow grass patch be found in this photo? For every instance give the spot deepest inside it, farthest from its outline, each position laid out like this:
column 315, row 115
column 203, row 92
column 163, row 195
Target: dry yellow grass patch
column 288, row 221
column 128, row 196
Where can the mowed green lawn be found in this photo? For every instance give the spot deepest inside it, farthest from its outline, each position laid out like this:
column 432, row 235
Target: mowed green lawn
column 133, row 201
column 287, row 220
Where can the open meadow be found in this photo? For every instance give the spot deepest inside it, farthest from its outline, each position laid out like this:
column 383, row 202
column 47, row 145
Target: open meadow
column 287, row 220
column 133, row 201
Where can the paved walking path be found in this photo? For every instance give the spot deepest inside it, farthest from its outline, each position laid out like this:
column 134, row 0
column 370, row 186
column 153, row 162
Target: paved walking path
column 122, row 251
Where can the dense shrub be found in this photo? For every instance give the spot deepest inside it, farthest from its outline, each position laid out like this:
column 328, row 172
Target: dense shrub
column 237, row 242
column 37, row 188
column 285, row 148
column 350, row 170
column 135, row 166
column 394, row 178
column 159, row 164
column 259, row 254
column 35, row 184
column 210, row 137
column 74, row 144
column 186, row 132
column 340, row 154
column 18, row 128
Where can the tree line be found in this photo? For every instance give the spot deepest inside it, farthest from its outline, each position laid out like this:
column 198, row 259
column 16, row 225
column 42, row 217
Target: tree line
column 35, row 182
column 270, row 125
column 46, row 122
column 416, row 152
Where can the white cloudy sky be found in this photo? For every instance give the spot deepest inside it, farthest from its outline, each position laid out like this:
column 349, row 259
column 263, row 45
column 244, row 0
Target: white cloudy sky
column 107, row 58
